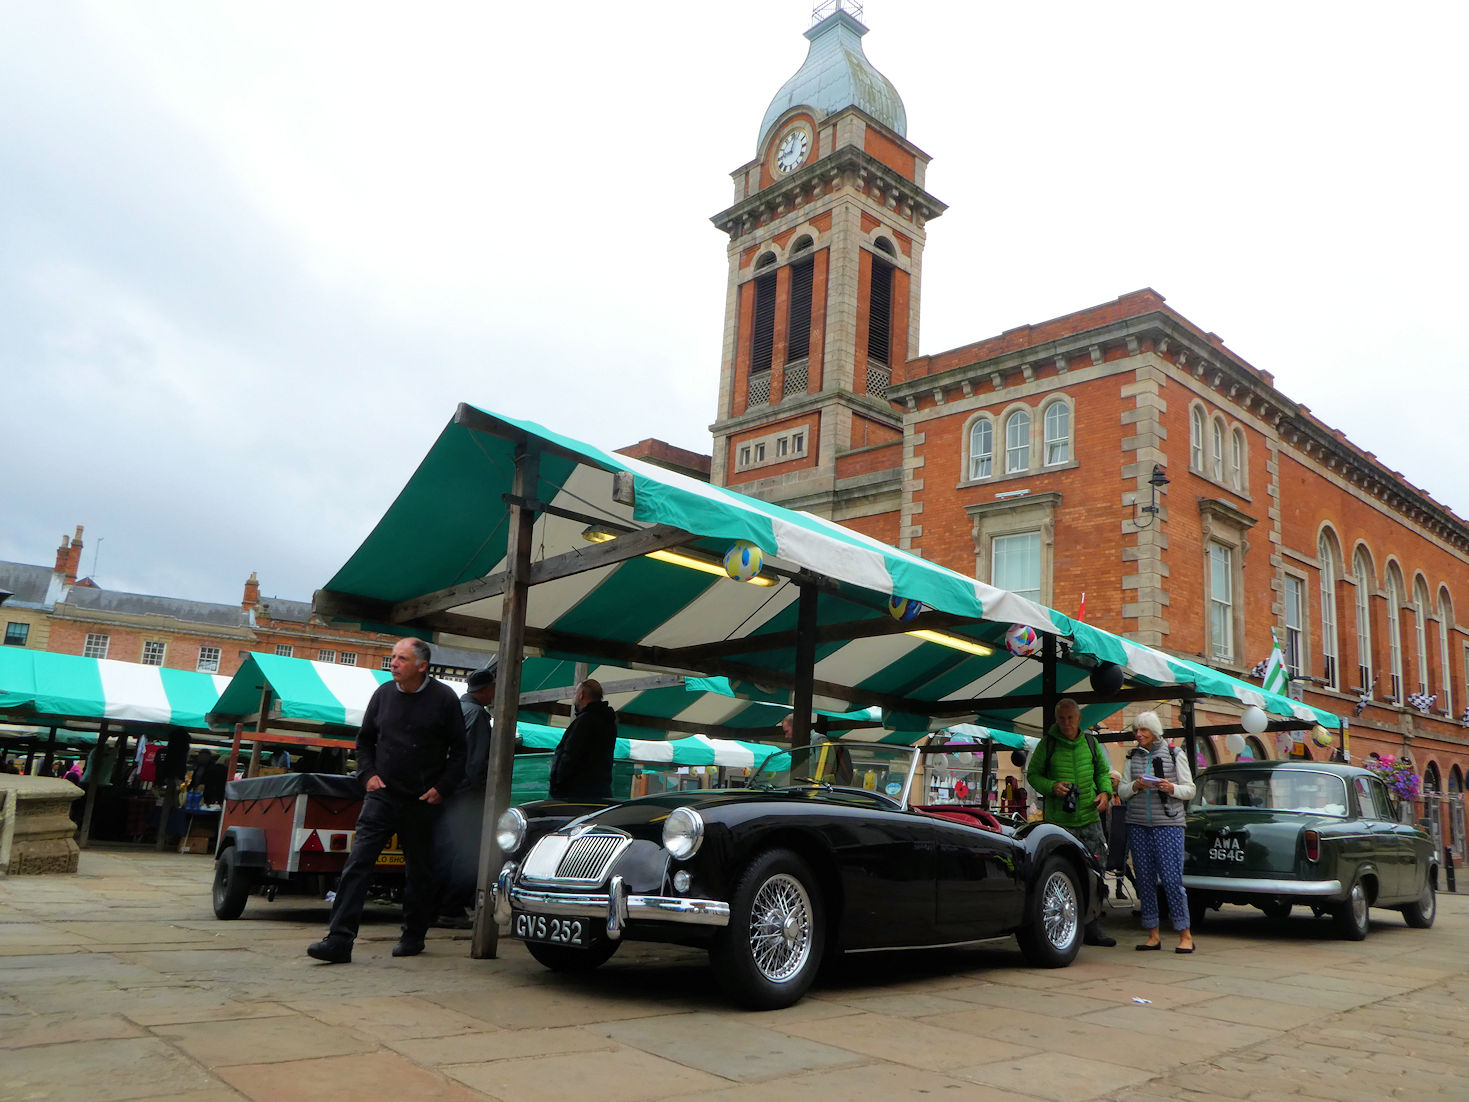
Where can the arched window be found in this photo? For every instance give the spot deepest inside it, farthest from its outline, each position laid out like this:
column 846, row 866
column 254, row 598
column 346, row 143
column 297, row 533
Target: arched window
column 1326, row 552
column 1395, row 630
column 981, row 449
column 1237, row 461
column 885, row 245
column 1362, row 572
column 1057, row 433
column 1017, row 442
column 802, row 242
column 764, row 260
column 1196, row 439
column 1431, row 781
column 1420, row 627
column 1445, row 618
column 1216, row 455
column 1254, row 748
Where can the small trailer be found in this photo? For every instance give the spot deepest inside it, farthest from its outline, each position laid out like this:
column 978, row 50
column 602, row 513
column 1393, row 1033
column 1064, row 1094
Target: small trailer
column 291, row 832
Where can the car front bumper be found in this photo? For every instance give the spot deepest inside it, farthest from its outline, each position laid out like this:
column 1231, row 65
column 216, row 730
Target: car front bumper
column 1238, row 885
column 617, row 905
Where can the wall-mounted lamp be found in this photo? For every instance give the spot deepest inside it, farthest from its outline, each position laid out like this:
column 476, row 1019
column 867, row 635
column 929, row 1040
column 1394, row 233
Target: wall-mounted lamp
column 1157, row 480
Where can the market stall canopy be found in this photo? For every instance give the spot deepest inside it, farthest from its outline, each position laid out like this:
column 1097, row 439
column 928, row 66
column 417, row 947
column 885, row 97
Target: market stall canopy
column 40, row 685
column 305, row 694
column 694, row 750
column 627, row 570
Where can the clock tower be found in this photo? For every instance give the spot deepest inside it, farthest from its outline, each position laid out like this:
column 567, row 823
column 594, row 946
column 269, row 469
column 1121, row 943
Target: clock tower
column 826, row 240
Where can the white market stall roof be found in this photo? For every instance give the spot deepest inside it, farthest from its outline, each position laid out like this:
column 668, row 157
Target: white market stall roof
column 44, row 686
column 622, row 551
column 694, row 750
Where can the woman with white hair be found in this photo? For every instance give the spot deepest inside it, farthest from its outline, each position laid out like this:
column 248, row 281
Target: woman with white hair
column 1157, row 785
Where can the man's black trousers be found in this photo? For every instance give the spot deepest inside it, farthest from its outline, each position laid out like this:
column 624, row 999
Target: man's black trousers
column 383, row 814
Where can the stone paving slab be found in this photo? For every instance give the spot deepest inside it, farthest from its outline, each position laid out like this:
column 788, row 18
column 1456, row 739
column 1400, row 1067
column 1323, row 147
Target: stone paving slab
column 119, row 983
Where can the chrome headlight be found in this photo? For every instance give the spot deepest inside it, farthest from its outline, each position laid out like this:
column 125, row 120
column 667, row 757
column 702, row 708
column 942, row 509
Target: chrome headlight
column 683, row 833
column 510, row 831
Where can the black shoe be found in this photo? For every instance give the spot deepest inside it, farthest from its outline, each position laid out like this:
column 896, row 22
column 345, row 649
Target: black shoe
column 1094, row 935
column 408, row 946
column 333, row 950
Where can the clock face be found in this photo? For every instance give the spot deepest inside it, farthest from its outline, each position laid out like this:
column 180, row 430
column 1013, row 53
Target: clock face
column 791, row 153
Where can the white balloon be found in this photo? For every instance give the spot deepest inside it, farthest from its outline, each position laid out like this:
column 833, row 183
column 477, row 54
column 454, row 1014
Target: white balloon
column 1253, row 720
column 1234, row 743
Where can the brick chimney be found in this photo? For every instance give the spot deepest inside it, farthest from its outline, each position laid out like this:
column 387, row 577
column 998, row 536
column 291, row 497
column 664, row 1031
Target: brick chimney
column 252, row 592
column 69, row 557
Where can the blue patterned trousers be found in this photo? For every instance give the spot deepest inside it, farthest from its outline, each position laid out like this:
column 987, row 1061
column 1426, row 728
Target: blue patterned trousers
column 1157, row 858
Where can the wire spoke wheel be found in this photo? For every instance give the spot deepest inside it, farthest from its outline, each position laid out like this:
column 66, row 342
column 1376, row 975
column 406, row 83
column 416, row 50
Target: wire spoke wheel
column 780, row 927
column 1050, row 937
column 1059, row 910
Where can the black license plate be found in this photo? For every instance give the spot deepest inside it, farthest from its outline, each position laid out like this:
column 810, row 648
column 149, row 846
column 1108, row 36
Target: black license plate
column 552, row 929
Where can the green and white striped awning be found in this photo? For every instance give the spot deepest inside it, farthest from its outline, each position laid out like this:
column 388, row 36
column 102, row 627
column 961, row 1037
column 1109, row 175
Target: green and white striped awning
column 694, row 750
column 302, row 691
column 62, row 687
column 433, row 563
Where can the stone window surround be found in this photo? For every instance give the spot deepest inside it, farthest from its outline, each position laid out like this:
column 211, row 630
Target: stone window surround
column 209, row 659
column 1229, row 430
column 998, row 422
column 96, row 645
column 746, row 452
column 1011, row 517
column 1225, row 525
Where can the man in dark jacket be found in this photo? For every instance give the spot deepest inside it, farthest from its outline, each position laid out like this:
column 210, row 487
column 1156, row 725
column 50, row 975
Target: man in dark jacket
column 410, row 756
column 582, row 768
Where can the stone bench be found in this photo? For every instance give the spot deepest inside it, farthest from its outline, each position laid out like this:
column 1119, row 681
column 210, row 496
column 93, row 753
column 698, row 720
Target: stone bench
column 36, row 832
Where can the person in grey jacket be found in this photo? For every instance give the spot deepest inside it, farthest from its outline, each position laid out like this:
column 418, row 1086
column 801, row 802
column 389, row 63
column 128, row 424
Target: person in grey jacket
column 1156, row 786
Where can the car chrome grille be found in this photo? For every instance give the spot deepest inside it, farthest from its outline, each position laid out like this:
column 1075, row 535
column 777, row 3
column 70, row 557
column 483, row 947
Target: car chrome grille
column 583, row 858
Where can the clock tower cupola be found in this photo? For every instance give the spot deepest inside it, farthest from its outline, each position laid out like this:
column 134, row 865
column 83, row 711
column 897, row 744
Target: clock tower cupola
column 826, row 239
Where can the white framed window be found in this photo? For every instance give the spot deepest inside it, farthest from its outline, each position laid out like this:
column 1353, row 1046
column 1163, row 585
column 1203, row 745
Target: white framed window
column 1016, row 564
column 95, row 645
column 1295, row 624
column 1057, row 434
column 1017, row 442
column 153, row 652
column 387, row 662
column 1216, row 454
column 326, row 656
column 347, row 658
column 1326, row 553
column 1395, row 631
column 284, row 650
column 981, row 449
column 1420, row 629
column 1196, row 438
column 760, row 453
column 782, row 446
column 1362, row 574
column 745, row 456
column 208, row 660
column 1237, row 461
column 798, row 443
column 1221, row 602
column 1445, row 617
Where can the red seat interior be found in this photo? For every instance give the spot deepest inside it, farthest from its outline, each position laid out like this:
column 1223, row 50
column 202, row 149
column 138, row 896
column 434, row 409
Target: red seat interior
column 968, row 816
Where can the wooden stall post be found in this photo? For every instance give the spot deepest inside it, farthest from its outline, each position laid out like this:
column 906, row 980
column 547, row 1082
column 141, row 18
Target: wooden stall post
column 485, row 939
column 84, row 833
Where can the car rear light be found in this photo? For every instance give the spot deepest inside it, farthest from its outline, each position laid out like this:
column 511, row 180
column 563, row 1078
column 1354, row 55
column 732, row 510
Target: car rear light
column 340, row 839
column 1313, row 845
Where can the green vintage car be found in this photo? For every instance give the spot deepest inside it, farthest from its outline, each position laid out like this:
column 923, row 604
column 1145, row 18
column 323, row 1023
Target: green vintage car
column 1326, row 835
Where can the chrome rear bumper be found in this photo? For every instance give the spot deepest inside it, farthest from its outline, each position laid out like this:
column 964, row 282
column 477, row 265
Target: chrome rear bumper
column 616, row 905
column 1241, row 886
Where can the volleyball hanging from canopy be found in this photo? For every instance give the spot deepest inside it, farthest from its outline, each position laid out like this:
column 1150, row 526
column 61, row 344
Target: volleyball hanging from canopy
column 901, row 608
column 743, row 561
column 1022, row 640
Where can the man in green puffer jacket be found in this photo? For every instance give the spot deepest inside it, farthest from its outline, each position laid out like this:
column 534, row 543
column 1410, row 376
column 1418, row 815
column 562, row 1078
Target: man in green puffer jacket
column 1067, row 762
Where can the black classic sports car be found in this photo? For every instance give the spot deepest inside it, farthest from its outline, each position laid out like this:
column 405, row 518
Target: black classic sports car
column 1280, row 834
column 825, row 852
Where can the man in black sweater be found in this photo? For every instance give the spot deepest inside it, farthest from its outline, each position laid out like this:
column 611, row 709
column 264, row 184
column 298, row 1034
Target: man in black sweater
column 582, row 767
column 410, row 756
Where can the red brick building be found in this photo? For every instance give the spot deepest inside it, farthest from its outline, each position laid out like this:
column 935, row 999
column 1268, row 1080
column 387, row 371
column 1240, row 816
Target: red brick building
column 1121, row 452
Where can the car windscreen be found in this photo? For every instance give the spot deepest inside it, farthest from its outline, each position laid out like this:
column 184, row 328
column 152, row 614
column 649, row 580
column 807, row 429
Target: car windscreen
column 876, row 768
column 1274, row 790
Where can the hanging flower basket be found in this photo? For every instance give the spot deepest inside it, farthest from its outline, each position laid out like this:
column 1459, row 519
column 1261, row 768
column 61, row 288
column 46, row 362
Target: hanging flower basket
column 1398, row 774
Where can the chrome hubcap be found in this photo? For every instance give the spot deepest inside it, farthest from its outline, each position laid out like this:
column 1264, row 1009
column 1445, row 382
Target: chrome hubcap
column 1059, row 910
column 780, row 928
column 1359, row 904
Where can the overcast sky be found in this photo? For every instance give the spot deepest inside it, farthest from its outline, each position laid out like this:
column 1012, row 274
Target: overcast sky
column 252, row 255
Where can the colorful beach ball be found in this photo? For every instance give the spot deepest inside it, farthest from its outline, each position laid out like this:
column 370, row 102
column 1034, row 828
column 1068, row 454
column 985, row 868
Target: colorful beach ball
column 743, row 560
column 1022, row 640
column 901, row 608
